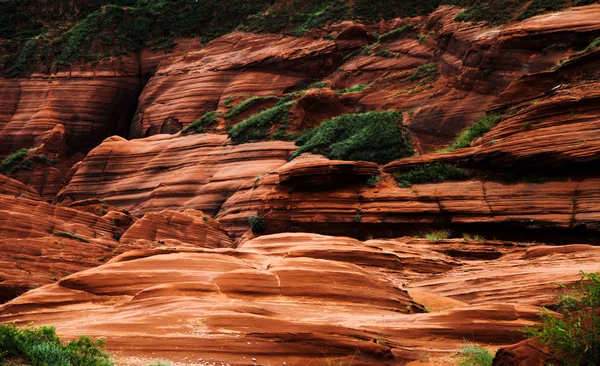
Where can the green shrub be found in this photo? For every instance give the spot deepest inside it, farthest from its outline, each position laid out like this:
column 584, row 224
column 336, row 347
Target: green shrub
column 42, row 347
column 373, row 136
column 353, row 89
column 394, row 34
column 438, row 235
column 16, row 162
column 204, row 124
column 257, row 224
column 429, row 173
column 473, row 355
column 428, row 72
column 65, row 234
column 482, row 125
column 247, row 104
column 256, row 127
column 537, row 7
column 573, row 340
column 373, row 180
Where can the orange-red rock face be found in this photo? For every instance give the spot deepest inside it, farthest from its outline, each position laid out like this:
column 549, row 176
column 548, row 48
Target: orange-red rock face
column 172, row 172
column 41, row 243
column 238, row 64
column 359, row 210
column 291, row 297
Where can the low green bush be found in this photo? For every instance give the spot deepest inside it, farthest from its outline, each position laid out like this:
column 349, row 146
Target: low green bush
column 373, row 136
column 42, row 347
column 429, row 173
column 247, row 104
column 15, row 162
column 482, row 125
column 257, row 127
column 257, row 224
column 473, row 355
column 574, row 339
column 204, row 124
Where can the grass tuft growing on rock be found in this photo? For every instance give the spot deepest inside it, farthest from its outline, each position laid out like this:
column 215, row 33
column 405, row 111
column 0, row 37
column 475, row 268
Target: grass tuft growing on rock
column 473, row 355
column 429, row 173
column 66, row 234
column 438, row 235
column 482, row 125
column 373, row 136
column 42, row 347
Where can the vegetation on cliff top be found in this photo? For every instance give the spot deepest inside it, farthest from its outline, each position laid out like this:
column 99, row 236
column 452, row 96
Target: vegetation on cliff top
column 42, row 347
column 373, row 136
column 34, row 34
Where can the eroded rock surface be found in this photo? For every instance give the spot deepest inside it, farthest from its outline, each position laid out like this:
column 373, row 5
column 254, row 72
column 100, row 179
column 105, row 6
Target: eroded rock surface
column 277, row 294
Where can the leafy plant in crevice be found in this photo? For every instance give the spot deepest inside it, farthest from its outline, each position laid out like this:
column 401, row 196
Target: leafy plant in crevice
column 244, row 105
column 373, row 136
column 573, row 339
column 429, row 173
column 257, row 127
column 482, row 125
column 594, row 45
column 203, row 124
column 42, row 347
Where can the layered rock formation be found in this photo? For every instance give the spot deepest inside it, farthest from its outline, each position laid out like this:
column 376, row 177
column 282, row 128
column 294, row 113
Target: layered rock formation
column 148, row 245
column 289, row 297
column 172, row 172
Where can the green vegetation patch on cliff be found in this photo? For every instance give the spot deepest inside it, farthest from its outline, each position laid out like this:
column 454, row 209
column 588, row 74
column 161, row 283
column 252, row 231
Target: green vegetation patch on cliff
column 373, row 136
column 259, row 126
column 42, row 347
